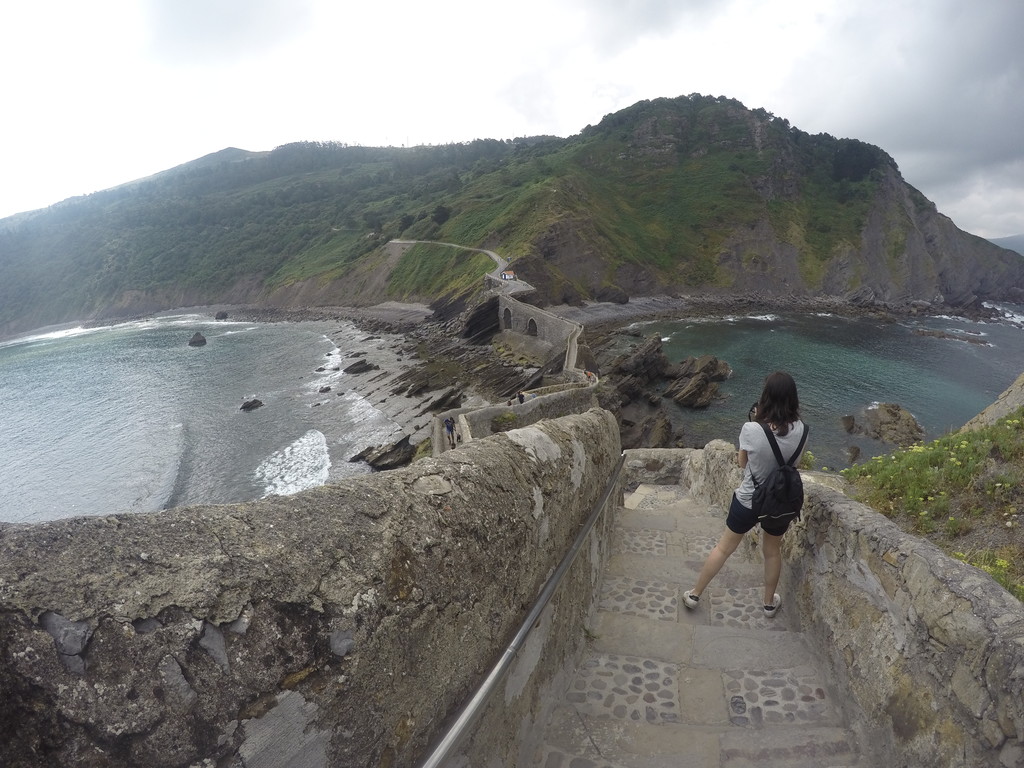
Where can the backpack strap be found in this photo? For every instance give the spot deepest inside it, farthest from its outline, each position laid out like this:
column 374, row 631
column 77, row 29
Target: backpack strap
column 778, row 451
column 774, row 443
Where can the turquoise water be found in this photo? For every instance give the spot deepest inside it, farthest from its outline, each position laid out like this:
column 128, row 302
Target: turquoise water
column 129, row 418
column 842, row 366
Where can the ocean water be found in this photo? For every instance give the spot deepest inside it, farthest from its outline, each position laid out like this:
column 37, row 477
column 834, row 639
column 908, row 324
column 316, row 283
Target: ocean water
column 844, row 365
column 129, row 418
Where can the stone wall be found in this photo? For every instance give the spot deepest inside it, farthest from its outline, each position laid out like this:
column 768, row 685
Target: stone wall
column 529, row 320
column 336, row 627
column 477, row 423
column 931, row 648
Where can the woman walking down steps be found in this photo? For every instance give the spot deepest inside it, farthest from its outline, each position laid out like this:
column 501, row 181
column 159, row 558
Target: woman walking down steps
column 779, row 409
column 721, row 687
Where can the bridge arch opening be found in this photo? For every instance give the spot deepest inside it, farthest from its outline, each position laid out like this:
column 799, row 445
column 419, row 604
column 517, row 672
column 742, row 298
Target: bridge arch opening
column 531, row 327
column 506, row 319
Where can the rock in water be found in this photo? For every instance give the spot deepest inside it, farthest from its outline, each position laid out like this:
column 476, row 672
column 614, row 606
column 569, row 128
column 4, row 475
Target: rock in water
column 197, row 340
column 709, row 365
column 888, row 422
column 251, row 405
column 222, row 315
column 694, row 392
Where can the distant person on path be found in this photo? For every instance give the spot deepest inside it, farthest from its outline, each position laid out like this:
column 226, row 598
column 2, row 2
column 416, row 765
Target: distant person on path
column 449, row 428
column 522, row 396
column 779, row 408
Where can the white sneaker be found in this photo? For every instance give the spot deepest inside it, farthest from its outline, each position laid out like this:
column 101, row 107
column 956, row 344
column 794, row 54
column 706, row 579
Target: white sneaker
column 690, row 600
column 771, row 610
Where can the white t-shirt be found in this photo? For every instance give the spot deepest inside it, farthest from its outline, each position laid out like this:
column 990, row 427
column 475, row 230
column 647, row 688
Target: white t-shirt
column 760, row 458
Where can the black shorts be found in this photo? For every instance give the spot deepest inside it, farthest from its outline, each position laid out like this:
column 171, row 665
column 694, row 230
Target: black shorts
column 742, row 519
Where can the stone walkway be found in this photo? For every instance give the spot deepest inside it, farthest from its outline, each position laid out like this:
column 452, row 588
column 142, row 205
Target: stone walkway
column 722, row 686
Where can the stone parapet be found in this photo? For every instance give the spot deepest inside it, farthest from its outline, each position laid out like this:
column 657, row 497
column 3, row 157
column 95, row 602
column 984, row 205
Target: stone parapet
column 336, row 627
column 932, row 648
column 711, row 473
column 477, row 423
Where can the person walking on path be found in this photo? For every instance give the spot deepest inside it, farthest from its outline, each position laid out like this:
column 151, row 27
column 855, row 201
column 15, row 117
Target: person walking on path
column 449, row 428
column 779, row 409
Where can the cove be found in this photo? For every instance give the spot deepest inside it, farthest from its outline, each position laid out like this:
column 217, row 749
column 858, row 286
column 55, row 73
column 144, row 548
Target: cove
column 843, row 365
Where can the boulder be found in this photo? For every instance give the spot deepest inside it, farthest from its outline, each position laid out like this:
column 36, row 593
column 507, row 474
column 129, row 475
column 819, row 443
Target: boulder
column 197, row 340
column 481, row 323
column 251, row 405
column 647, row 362
column 637, row 369
column 360, row 366
column 654, row 432
column 697, row 391
column 452, row 398
column 222, row 315
column 612, row 293
column 709, row 365
column 398, row 454
column 888, row 422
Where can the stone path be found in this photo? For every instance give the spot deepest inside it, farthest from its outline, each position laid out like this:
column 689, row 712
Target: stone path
column 722, row 686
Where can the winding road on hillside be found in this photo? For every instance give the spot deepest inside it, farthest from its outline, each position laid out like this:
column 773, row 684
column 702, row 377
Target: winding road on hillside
column 506, row 286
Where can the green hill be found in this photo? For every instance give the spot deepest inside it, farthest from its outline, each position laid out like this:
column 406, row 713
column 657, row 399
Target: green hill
column 693, row 194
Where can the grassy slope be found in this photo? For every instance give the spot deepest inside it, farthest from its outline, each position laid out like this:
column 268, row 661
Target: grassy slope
column 428, row 269
column 962, row 491
column 668, row 202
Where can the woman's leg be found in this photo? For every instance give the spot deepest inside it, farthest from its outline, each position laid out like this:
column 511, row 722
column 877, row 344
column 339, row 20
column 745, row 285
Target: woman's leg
column 772, row 548
column 726, row 546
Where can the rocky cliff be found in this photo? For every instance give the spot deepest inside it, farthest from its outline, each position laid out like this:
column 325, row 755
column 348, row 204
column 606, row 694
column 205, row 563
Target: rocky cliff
column 747, row 204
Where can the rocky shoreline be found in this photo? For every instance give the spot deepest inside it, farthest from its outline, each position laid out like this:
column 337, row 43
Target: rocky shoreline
column 416, row 366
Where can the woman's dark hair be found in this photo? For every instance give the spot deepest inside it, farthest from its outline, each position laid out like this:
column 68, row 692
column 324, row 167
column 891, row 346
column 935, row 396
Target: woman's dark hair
column 779, row 404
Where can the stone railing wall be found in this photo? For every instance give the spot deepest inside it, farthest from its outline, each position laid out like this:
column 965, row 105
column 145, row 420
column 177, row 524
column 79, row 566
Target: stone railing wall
column 336, row 627
column 529, row 320
column 476, row 423
column 931, row 649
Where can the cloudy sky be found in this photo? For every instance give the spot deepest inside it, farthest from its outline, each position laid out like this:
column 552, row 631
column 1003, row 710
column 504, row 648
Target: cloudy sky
column 98, row 93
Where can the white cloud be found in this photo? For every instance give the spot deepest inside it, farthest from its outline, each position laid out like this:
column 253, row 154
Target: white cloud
column 109, row 92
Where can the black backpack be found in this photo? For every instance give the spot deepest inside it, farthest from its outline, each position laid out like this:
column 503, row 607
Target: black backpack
column 780, row 496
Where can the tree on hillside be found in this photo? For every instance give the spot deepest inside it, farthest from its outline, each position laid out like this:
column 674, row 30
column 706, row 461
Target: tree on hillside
column 441, row 214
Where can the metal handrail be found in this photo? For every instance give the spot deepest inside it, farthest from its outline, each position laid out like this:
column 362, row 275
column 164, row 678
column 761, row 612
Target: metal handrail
column 471, row 710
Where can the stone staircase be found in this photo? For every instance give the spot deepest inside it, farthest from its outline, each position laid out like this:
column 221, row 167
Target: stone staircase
column 722, row 686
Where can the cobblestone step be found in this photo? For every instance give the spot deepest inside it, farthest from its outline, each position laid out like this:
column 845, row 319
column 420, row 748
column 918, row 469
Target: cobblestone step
column 720, row 686
column 580, row 741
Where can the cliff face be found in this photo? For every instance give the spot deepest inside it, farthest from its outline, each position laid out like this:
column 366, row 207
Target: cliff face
column 737, row 201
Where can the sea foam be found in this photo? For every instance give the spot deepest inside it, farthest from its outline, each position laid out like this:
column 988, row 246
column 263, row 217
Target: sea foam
column 304, row 464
